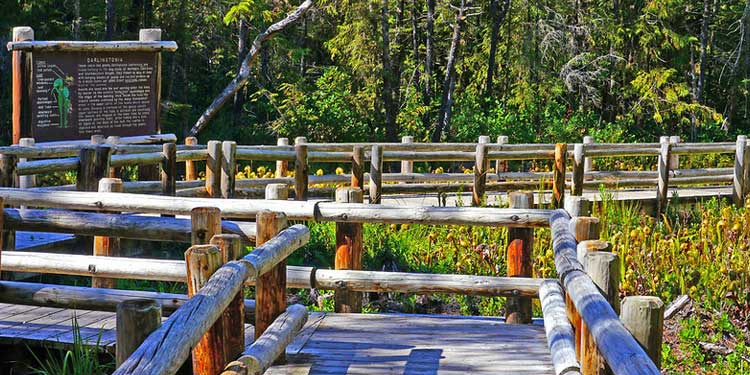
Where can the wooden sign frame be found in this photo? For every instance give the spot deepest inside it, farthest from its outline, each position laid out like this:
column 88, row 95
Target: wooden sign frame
column 118, row 57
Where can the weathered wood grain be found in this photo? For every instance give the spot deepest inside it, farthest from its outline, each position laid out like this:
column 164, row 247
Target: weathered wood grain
column 114, row 225
column 271, row 344
column 74, row 297
column 349, row 248
column 319, row 211
column 136, row 319
column 560, row 334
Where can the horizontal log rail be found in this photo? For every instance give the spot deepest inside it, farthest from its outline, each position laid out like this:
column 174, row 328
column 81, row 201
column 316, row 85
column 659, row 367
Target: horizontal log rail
column 615, row 343
column 297, row 277
column 151, row 228
column 560, row 334
column 165, row 350
column 84, row 46
column 97, row 299
column 311, row 211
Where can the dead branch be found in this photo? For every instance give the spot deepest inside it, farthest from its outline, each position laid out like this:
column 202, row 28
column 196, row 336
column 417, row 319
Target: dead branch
column 244, row 74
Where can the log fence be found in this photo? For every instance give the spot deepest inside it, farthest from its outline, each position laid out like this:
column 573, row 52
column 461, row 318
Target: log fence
column 222, row 159
column 589, row 335
column 581, row 284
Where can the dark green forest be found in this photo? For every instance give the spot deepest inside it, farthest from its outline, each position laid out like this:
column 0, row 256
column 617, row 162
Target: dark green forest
column 535, row 70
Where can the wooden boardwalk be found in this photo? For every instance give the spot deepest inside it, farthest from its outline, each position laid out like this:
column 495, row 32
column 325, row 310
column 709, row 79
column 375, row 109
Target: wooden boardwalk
column 416, row 345
column 336, row 343
column 53, row 327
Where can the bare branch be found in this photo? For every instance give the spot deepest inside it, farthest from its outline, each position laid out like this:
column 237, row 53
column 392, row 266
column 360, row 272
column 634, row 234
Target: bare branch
column 244, row 74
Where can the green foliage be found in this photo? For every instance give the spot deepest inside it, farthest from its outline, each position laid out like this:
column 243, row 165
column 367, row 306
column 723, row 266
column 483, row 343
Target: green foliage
column 82, row 359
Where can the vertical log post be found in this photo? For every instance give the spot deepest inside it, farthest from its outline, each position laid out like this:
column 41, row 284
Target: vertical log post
column 558, row 179
column 92, row 167
column 501, row 165
column 98, row 139
column 228, row 168
column 663, row 173
column 604, row 270
column 376, row 174
column 135, row 320
column 520, row 246
column 208, row 355
column 738, row 182
column 113, row 140
column 277, row 192
column 481, row 165
column 270, row 288
column 205, row 223
column 233, row 318
column 578, row 170
column 8, row 164
column 213, row 170
column 588, row 163
column 674, row 160
column 169, row 169
column 21, row 69
column 282, row 166
column 643, row 316
column 300, row 169
column 577, row 206
column 358, row 167
column 407, row 166
column 2, row 225
column 25, row 182
column 107, row 246
column 29, row 181
column 348, row 252
column 189, row 164
column 583, row 228
column 153, row 35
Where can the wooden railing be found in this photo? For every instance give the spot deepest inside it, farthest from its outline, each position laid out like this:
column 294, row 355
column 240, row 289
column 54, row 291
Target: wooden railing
column 572, row 167
column 585, row 334
column 595, row 330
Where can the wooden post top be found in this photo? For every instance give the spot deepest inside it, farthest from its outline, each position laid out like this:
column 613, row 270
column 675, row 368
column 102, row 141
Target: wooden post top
column 22, row 33
column 149, row 35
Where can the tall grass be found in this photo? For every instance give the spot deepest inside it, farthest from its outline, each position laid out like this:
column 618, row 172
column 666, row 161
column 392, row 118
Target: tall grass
column 82, row 359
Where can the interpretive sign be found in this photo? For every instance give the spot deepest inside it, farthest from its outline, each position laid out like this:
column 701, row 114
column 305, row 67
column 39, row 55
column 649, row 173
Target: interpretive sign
column 76, row 95
column 73, row 90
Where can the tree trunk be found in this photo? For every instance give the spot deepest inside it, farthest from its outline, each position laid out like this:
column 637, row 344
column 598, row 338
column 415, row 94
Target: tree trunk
column 737, row 70
column 110, row 19
column 497, row 16
column 76, row 26
column 449, row 82
column 415, row 40
column 148, row 13
column 427, row 76
column 389, row 103
column 239, row 97
column 136, row 11
column 704, row 48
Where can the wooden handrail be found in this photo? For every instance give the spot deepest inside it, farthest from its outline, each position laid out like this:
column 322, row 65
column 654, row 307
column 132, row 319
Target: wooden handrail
column 244, row 208
column 140, row 227
column 621, row 351
column 168, row 347
column 297, row 276
column 99, row 299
